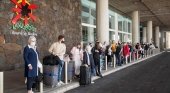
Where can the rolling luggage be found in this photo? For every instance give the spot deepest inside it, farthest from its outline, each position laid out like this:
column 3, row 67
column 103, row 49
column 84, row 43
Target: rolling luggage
column 50, row 75
column 85, row 75
column 70, row 71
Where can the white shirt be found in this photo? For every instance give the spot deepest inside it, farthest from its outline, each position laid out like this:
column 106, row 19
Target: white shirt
column 58, row 49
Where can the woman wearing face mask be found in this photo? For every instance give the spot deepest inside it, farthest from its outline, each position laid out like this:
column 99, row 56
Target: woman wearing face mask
column 77, row 53
column 32, row 63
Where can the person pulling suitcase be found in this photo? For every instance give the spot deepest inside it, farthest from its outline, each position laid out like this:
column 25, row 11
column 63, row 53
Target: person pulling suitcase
column 87, row 68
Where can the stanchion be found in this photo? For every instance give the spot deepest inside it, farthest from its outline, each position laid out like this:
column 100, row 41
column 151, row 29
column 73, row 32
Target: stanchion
column 144, row 54
column 114, row 62
column 106, row 63
column 126, row 59
column 149, row 52
column 1, row 82
column 41, row 83
column 137, row 55
column 134, row 57
column 66, row 80
column 130, row 57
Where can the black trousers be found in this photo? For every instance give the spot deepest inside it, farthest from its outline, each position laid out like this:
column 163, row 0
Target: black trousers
column 30, row 82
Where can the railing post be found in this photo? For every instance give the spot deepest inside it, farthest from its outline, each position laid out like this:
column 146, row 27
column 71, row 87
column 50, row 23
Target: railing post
column 114, row 62
column 1, row 82
column 66, row 80
column 137, row 55
column 41, row 83
column 106, row 63
column 151, row 52
column 134, row 59
column 130, row 57
column 126, row 59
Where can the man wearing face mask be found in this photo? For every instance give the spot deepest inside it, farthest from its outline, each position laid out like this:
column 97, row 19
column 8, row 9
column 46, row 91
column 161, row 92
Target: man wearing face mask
column 58, row 49
column 88, row 59
column 32, row 62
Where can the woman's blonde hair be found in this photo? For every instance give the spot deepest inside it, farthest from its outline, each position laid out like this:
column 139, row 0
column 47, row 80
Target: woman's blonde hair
column 31, row 38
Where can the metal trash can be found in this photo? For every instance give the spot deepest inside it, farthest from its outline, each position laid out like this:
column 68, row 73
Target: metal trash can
column 50, row 75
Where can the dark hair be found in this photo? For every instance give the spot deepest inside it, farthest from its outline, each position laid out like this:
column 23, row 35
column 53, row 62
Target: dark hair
column 60, row 37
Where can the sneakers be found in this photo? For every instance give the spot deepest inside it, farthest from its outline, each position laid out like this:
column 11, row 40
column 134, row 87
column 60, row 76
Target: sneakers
column 60, row 83
column 92, row 82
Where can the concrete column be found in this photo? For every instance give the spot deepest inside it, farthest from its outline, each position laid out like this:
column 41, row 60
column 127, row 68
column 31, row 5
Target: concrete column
column 149, row 32
column 167, row 40
column 102, row 20
column 135, row 27
column 157, row 40
column 144, row 34
column 162, row 40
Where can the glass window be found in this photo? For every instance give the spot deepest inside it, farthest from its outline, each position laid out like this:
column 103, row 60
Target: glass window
column 124, row 26
column 125, row 38
column 120, row 23
column 89, row 17
column 129, row 38
column 85, row 33
column 112, row 35
column 85, row 9
column 120, row 37
column 129, row 27
column 111, row 22
column 89, row 34
column 88, row 12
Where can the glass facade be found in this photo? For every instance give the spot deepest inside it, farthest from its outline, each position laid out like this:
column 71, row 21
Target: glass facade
column 88, row 20
column 117, row 24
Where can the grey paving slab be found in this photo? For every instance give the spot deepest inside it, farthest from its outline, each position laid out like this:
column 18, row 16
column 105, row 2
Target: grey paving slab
column 149, row 76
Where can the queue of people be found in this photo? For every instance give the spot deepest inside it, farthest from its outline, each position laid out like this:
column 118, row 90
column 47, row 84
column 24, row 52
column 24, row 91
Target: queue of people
column 91, row 56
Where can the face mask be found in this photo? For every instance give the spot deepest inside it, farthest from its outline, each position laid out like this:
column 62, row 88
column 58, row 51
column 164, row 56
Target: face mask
column 32, row 43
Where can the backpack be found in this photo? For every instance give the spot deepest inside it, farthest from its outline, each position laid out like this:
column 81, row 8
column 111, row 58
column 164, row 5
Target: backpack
column 113, row 47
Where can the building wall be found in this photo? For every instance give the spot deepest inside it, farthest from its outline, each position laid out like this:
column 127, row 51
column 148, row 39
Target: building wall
column 54, row 17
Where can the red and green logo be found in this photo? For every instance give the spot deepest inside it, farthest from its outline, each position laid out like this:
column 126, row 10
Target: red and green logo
column 23, row 10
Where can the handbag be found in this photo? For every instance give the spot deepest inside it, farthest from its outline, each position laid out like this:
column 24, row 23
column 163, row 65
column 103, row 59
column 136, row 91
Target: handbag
column 40, row 77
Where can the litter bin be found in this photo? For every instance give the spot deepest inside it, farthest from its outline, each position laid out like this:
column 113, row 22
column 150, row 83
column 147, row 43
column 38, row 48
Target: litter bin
column 50, row 75
column 50, row 70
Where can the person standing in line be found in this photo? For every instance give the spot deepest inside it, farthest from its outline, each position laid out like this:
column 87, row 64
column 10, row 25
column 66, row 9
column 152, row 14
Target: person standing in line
column 88, row 59
column 59, row 49
column 88, row 50
column 126, row 52
column 118, row 54
column 32, row 63
column 97, row 51
column 77, row 53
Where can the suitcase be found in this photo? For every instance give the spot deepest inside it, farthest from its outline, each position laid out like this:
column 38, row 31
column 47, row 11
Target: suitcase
column 70, row 71
column 85, row 75
column 50, row 75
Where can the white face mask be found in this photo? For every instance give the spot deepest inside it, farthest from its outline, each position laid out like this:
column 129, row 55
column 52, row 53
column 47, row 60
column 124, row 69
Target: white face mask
column 88, row 49
column 32, row 43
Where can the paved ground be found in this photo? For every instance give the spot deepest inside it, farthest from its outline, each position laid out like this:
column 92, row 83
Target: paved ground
column 150, row 76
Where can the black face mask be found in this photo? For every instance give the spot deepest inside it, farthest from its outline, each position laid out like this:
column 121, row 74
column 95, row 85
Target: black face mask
column 62, row 41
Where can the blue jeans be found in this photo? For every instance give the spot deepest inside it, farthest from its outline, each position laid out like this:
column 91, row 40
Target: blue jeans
column 93, row 71
column 118, row 59
column 60, row 68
